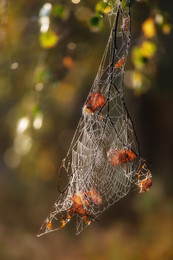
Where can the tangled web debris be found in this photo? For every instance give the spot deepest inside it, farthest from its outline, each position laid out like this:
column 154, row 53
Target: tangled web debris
column 103, row 163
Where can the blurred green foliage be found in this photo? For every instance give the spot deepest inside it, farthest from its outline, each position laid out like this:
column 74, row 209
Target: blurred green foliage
column 48, row 39
column 59, row 11
column 50, row 53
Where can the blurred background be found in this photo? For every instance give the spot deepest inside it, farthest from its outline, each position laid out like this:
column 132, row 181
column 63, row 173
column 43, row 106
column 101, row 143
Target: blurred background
column 49, row 56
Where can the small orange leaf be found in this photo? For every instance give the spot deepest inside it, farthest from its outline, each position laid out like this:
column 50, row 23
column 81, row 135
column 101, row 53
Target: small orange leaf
column 95, row 196
column 63, row 223
column 117, row 156
column 94, row 102
column 78, row 205
column 145, row 185
column 119, row 63
column 49, row 224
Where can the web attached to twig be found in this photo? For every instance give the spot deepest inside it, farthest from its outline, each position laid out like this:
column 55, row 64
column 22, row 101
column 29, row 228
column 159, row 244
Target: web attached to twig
column 103, row 163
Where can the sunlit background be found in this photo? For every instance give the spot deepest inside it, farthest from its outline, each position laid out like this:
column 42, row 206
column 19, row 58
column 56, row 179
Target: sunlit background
column 50, row 53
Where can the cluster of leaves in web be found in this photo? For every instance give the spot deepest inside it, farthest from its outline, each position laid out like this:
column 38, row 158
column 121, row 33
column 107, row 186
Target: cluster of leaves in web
column 81, row 200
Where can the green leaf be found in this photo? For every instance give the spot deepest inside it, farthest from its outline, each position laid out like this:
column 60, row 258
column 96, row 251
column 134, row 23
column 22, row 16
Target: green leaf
column 100, row 6
column 59, row 11
column 94, row 21
column 137, row 57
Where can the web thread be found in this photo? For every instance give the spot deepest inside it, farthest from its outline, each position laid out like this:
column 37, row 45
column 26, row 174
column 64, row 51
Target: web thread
column 110, row 127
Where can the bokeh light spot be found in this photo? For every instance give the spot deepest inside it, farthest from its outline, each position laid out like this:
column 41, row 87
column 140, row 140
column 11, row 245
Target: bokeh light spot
column 38, row 121
column 39, row 86
column 71, row 46
column 148, row 28
column 11, row 158
column 14, row 65
column 46, row 9
column 22, row 124
column 75, row 1
column 22, row 144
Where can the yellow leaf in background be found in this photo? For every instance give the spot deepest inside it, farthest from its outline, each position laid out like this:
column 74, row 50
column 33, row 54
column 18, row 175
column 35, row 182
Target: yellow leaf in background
column 148, row 49
column 102, row 7
column 137, row 79
column 137, row 57
column 166, row 29
column 107, row 9
column 148, row 28
column 48, row 39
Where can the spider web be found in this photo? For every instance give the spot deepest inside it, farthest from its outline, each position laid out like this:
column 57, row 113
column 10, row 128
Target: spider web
column 110, row 127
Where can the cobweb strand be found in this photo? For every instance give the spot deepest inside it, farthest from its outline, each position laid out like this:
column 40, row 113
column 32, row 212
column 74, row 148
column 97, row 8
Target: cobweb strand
column 103, row 163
